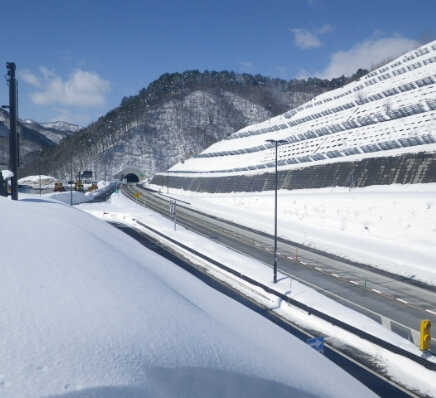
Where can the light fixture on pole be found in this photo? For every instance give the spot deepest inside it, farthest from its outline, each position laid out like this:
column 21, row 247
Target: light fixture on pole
column 276, row 142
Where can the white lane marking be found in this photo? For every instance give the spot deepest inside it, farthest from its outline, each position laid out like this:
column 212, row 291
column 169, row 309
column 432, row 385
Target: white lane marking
column 319, row 269
column 354, row 282
column 336, row 275
column 376, row 291
column 403, row 301
column 431, row 312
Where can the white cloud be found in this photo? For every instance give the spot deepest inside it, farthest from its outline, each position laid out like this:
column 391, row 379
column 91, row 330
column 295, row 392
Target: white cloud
column 305, row 39
column 325, row 29
column 246, row 64
column 29, row 78
column 82, row 88
column 366, row 55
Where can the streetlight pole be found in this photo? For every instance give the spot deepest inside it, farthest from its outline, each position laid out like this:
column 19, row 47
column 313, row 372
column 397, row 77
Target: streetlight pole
column 39, row 171
column 71, row 178
column 13, row 134
column 276, row 142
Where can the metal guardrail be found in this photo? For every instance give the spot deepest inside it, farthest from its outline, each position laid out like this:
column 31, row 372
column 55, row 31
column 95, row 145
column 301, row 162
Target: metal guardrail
column 292, row 243
column 312, row 311
column 396, row 327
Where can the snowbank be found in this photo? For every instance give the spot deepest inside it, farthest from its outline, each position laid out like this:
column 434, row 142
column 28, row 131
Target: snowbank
column 34, row 180
column 69, row 196
column 90, row 312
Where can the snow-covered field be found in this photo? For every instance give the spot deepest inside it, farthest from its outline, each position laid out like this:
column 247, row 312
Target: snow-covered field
column 88, row 312
column 389, row 227
column 120, row 209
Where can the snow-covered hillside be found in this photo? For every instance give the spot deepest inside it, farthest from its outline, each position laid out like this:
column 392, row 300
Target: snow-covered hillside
column 90, row 312
column 62, row 126
column 55, row 131
column 176, row 116
column 34, row 137
column 389, row 111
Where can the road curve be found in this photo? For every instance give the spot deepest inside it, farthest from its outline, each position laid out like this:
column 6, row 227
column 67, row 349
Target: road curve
column 397, row 303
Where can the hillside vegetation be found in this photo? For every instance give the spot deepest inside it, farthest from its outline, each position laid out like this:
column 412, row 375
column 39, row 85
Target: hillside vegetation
column 175, row 117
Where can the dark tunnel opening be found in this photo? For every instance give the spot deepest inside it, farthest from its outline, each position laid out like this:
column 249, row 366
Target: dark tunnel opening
column 131, row 177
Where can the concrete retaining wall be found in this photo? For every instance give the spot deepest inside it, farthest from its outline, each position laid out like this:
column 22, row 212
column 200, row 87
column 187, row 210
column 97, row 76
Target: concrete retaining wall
column 405, row 169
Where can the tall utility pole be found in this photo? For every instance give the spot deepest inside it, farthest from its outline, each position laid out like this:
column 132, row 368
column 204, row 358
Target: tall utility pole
column 276, row 142
column 13, row 135
column 71, row 178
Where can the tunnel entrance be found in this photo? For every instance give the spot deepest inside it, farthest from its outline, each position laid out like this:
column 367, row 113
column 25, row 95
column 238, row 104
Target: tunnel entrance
column 131, row 177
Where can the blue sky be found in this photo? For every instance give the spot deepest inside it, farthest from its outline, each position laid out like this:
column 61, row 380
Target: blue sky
column 77, row 59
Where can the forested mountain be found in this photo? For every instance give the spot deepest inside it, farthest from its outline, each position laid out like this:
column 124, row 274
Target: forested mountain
column 34, row 137
column 175, row 117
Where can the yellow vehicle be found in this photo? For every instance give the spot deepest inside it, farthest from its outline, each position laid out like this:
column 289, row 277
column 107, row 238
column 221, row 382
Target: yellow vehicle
column 78, row 186
column 59, row 187
column 93, row 187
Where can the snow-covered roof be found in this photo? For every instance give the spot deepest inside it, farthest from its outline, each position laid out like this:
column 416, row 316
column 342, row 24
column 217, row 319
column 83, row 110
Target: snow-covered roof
column 388, row 111
column 7, row 174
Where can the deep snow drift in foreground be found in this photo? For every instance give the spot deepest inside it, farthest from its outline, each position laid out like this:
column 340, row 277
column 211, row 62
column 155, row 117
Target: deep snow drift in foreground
column 87, row 311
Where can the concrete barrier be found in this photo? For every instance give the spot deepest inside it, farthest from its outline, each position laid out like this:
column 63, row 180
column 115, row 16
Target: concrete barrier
column 411, row 168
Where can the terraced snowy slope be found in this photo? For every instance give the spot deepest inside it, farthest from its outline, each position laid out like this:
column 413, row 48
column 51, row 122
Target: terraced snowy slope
column 388, row 112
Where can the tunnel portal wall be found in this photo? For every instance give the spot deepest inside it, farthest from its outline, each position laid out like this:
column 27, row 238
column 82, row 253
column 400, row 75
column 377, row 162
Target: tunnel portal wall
column 404, row 169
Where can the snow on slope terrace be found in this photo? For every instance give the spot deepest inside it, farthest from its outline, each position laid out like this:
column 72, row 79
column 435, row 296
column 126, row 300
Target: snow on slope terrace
column 391, row 110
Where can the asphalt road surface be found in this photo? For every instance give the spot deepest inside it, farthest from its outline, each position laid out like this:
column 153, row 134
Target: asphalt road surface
column 376, row 382
column 398, row 303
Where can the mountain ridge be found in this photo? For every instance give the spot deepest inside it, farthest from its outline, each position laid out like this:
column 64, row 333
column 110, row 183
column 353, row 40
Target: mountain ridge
column 388, row 114
column 176, row 116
